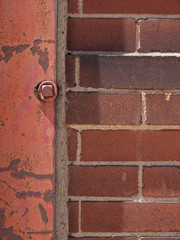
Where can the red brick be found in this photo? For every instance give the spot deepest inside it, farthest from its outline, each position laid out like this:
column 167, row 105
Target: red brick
column 73, row 6
column 131, row 6
column 130, row 217
column 130, row 145
column 161, row 182
column 73, row 216
column 163, row 109
column 129, row 72
column 70, row 70
column 101, row 35
column 72, row 144
column 159, row 36
column 103, row 108
column 105, row 181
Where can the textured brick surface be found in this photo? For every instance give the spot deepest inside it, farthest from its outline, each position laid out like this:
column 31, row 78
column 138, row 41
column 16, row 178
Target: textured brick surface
column 108, row 181
column 70, row 70
column 73, row 6
column 161, row 181
column 129, row 72
column 131, row 6
column 130, row 217
column 163, row 109
column 73, row 216
column 159, row 35
column 72, row 144
column 130, row 145
column 101, row 35
column 102, row 108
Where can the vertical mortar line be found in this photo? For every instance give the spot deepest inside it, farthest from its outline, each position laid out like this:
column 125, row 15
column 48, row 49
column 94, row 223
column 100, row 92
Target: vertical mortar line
column 79, row 222
column 61, row 159
column 78, row 157
column 77, row 70
column 80, row 7
column 143, row 107
column 137, row 37
column 140, row 182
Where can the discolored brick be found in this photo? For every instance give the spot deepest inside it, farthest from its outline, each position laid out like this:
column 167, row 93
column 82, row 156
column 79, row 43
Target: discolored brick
column 131, row 6
column 129, row 72
column 161, row 181
column 130, row 217
column 159, row 35
column 101, row 34
column 163, row 109
column 103, row 108
column 105, row 181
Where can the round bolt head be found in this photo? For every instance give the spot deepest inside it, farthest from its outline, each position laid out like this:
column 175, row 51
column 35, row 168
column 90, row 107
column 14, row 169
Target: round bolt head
column 47, row 91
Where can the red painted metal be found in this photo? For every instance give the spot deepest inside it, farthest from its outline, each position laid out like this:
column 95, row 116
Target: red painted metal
column 27, row 57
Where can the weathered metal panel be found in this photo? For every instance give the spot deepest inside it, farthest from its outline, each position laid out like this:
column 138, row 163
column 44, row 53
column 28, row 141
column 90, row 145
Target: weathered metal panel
column 27, row 57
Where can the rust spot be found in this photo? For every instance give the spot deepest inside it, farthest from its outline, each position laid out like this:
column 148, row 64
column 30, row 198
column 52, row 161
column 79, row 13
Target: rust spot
column 21, row 48
column 24, row 194
column 26, row 211
column 43, row 213
column 43, row 54
column 6, row 233
column 9, row 50
column 48, row 196
column 15, row 162
column 2, row 124
column 11, row 213
column 44, row 59
column 37, row 41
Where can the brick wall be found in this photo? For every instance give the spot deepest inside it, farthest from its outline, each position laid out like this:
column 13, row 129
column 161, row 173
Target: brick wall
column 123, row 119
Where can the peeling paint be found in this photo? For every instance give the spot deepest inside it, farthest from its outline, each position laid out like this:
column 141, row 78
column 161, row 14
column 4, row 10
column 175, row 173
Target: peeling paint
column 9, row 50
column 43, row 213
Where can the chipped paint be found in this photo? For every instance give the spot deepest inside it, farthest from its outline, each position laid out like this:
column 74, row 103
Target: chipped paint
column 168, row 96
column 27, row 50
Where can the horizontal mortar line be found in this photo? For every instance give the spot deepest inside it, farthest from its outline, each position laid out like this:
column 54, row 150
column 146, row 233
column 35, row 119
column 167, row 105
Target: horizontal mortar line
column 142, row 127
column 126, row 199
column 126, row 234
column 126, row 54
column 125, row 15
column 124, row 90
column 126, row 163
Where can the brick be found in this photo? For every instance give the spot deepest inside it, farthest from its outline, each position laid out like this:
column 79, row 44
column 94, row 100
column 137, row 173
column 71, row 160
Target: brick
column 70, row 70
column 131, row 6
column 130, row 145
column 101, row 35
column 105, row 181
column 130, row 217
column 73, row 216
column 73, row 6
column 161, row 181
column 159, row 36
column 72, row 144
column 129, row 72
column 163, row 109
column 103, row 108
